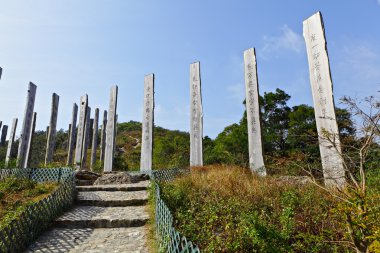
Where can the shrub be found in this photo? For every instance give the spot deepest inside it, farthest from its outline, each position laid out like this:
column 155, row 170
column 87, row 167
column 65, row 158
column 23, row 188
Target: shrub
column 228, row 209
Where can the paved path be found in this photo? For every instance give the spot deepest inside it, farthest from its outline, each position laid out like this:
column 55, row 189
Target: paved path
column 106, row 218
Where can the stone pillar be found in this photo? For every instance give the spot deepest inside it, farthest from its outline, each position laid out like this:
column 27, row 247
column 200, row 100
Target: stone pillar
column 110, row 132
column 115, row 135
column 50, row 144
column 72, row 135
column 147, row 124
column 1, row 123
column 196, row 116
column 11, row 141
column 321, row 86
column 103, row 136
column 255, row 150
column 26, row 127
column 80, row 131
column 91, row 134
column 4, row 133
column 94, row 138
column 30, row 139
column 68, row 137
column 1, row 72
column 86, row 139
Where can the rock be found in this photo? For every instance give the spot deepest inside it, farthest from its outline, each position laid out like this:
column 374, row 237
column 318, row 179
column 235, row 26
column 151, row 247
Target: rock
column 115, row 177
column 86, row 175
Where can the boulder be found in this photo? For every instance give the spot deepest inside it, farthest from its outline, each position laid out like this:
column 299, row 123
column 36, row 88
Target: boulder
column 120, row 177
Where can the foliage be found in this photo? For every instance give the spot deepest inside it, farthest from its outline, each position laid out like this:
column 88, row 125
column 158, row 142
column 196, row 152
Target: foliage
column 17, row 193
column 359, row 207
column 227, row 209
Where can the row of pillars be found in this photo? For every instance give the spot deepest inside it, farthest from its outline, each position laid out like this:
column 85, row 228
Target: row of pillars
column 79, row 135
column 321, row 84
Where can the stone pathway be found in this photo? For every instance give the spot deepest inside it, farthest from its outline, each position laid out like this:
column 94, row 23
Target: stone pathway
column 106, row 218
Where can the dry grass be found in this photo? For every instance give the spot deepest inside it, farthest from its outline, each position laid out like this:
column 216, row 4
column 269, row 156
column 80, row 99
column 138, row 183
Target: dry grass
column 16, row 194
column 228, row 209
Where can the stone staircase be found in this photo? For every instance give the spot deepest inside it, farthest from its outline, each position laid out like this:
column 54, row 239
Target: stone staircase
column 105, row 218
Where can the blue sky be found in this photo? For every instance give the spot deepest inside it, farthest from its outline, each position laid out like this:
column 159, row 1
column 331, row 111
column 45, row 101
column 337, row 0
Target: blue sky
column 76, row 47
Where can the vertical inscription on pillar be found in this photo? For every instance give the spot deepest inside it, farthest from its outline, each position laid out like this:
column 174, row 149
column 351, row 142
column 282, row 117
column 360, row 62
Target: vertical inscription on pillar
column 50, row 145
column 321, row 86
column 81, row 127
column 256, row 161
column 26, row 126
column 148, row 121
column 111, row 129
column 196, row 116
column 103, row 136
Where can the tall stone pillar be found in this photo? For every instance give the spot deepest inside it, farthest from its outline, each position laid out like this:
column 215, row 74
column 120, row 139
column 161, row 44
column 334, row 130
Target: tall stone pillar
column 147, row 124
column 1, row 72
column 50, row 145
column 11, row 141
column 81, row 127
column 26, row 126
column 30, row 139
column 4, row 133
column 111, row 128
column 321, row 86
column 196, row 116
column 255, row 150
column 94, row 138
column 86, row 139
column 1, row 123
column 72, row 135
column 103, row 136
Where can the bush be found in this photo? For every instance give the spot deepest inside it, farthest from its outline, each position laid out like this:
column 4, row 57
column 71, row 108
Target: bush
column 227, row 209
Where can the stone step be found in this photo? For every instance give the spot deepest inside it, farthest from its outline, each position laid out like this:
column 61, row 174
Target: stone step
column 103, row 217
column 140, row 186
column 109, row 198
column 79, row 240
column 83, row 182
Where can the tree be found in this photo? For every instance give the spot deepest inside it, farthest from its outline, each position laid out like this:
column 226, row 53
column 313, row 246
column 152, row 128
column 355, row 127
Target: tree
column 360, row 209
column 275, row 121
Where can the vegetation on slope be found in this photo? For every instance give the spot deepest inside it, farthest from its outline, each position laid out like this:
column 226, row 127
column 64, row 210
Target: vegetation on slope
column 228, row 209
column 16, row 194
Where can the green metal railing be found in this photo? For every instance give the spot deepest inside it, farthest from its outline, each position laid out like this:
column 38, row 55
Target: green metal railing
column 169, row 240
column 16, row 235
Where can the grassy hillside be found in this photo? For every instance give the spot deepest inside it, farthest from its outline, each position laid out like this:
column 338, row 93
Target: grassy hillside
column 228, row 209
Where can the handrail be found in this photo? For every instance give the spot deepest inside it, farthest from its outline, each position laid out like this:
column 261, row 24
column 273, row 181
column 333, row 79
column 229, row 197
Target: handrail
column 169, row 240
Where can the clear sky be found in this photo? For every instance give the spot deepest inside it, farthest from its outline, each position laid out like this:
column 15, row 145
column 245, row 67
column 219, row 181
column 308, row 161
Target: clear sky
column 75, row 47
